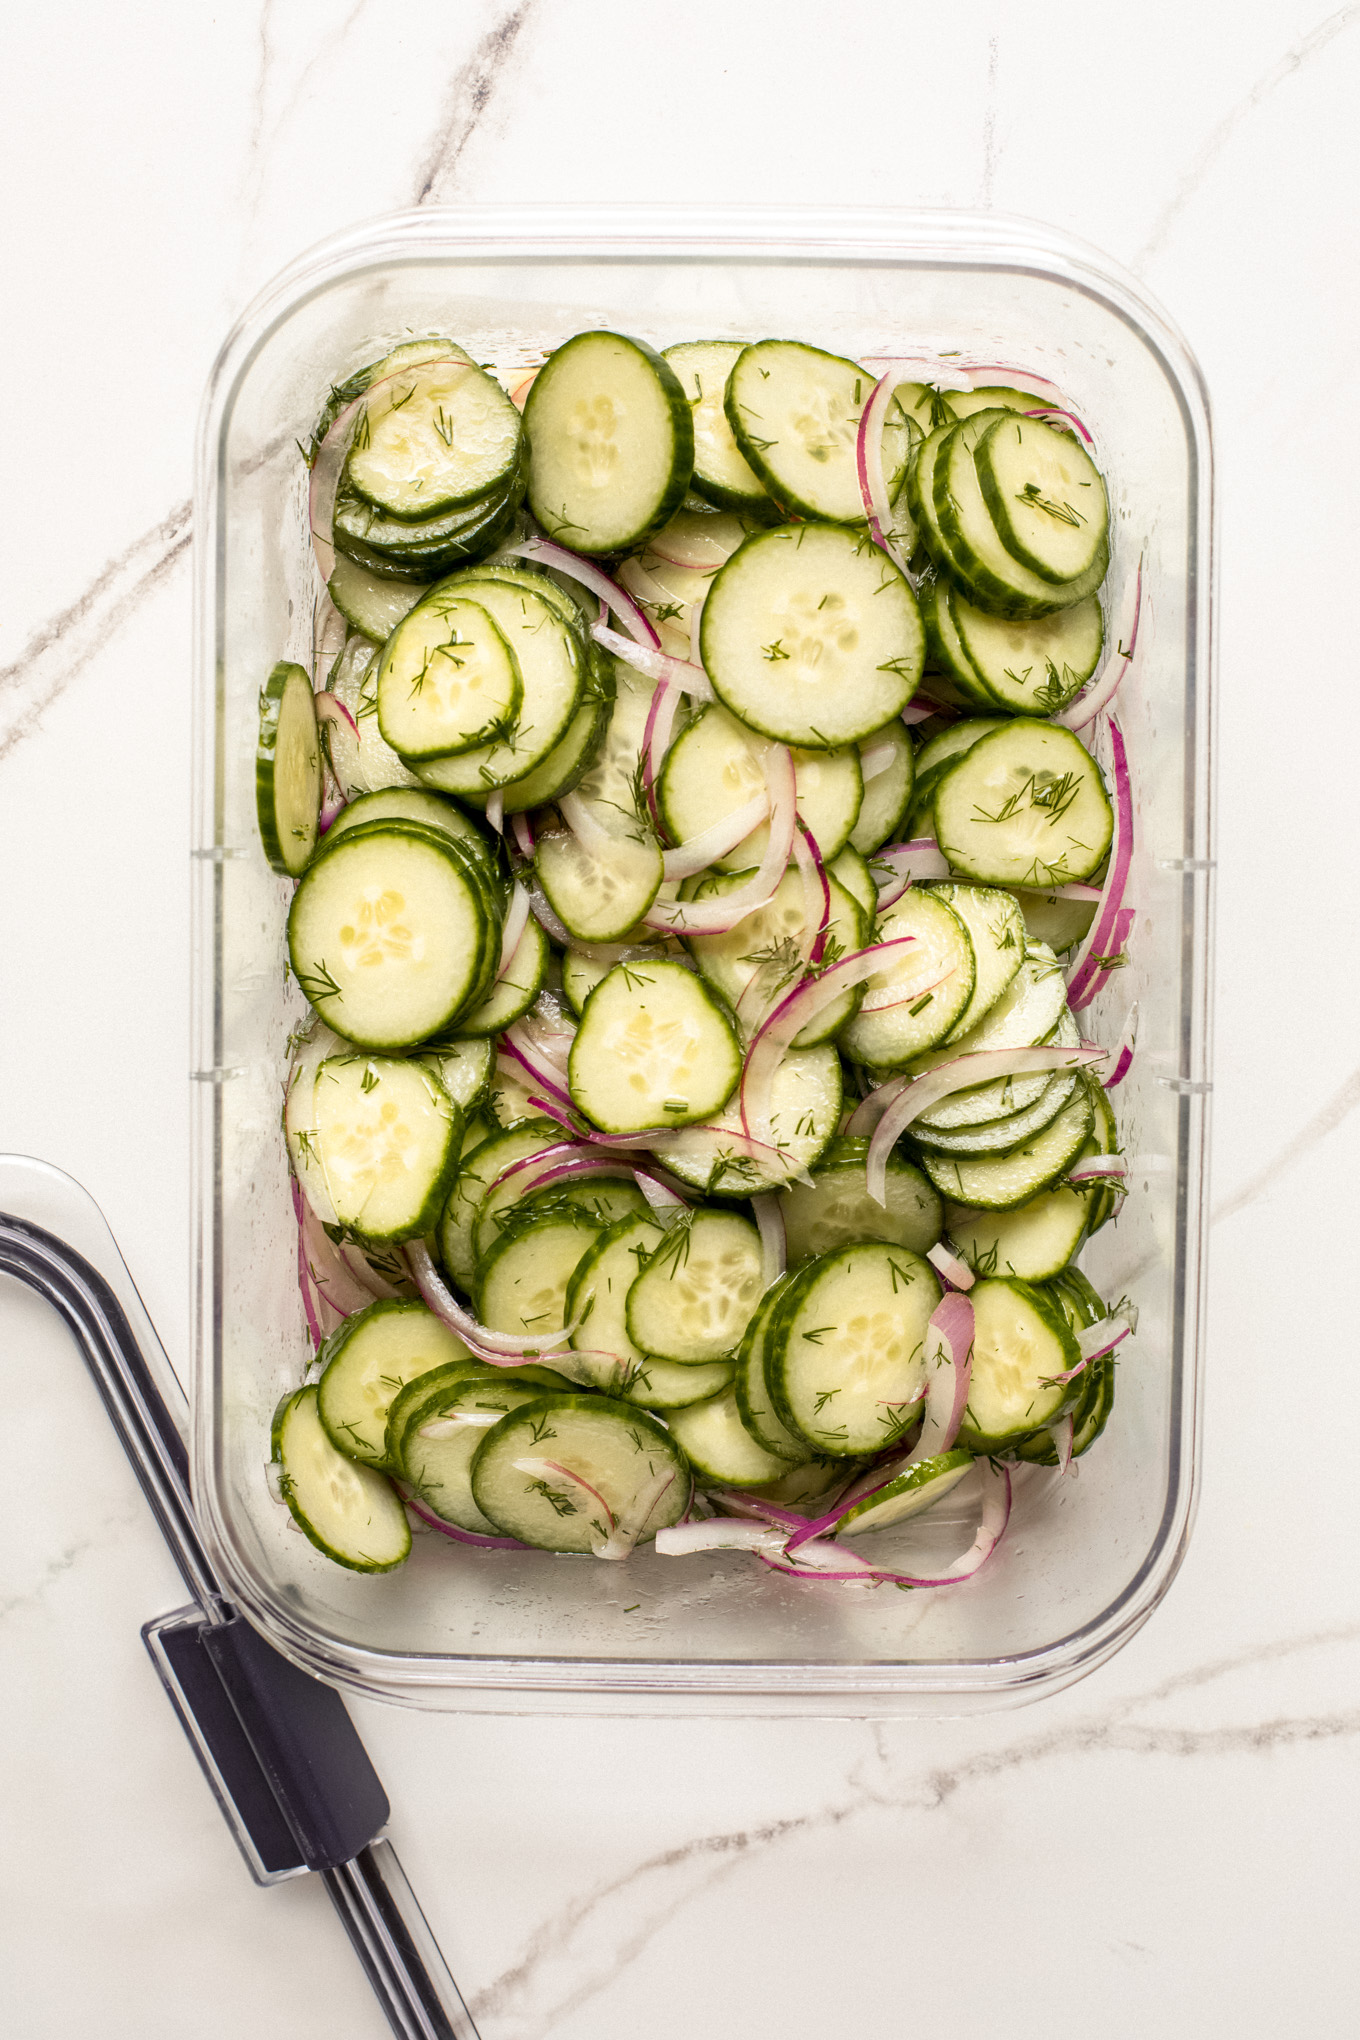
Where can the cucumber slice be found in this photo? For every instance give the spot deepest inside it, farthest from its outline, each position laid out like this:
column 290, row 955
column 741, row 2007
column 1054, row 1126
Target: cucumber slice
column 472, row 858
column 835, row 1210
column 849, row 869
column 805, row 1112
column 1033, row 1009
column 1032, row 668
column 1025, row 806
column 552, row 666
column 425, row 1393
column 810, row 635
column 945, row 649
column 408, row 354
column 611, row 443
column 447, row 680
column 388, row 1135
column 503, row 1204
column 1000, row 1182
column 573, row 757
column 464, row 1068
column 1021, row 1343
column 478, row 1170
column 1001, row 1136
column 886, row 796
column 522, row 1280
column 600, row 1287
column 1045, row 496
column 921, row 992
column 415, row 804
column 997, row 397
column 389, row 933
column 1034, row 1241
column 846, row 1359
column 299, row 1116
column 581, row 972
column 996, row 929
column 360, row 758
column 654, row 1048
column 600, row 888
column 441, row 1440
column 554, row 1472
column 393, row 549
column 369, row 1360
column 367, row 601
column 721, row 473
column 951, row 743
column 694, row 1298
column 667, row 1385
column 765, row 945
column 288, row 770
column 1062, row 924
column 347, row 1510
column 757, row 1411
column 515, row 991
column 716, row 767
column 445, row 436
column 794, row 413
column 910, row 1494
column 990, row 575
column 718, row 1445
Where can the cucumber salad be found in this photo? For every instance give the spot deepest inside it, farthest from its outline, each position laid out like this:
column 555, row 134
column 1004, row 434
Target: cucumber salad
column 708, row 819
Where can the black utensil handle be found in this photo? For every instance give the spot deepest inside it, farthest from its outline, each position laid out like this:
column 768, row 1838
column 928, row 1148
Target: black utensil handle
column 277, row 1747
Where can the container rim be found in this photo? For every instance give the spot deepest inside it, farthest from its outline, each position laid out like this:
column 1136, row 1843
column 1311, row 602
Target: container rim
column 774, row 236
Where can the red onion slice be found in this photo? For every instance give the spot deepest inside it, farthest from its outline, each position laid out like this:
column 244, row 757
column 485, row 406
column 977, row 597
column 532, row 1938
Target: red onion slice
column 718, row 916
column 500, row 1349
column 537, row 1037
column 590, row 576
column 877, row 760
column 495, row 809
column 516, row 921
column 979, row 1066
column 656, row 665
column 553, row 1469
column 769, row 1218
column 633, row 1518
column 949, row 1267
column 790, row 1017
column 873, row 487
column 899, row 865
column 1081, row 978
column 656, row 741
column 1098, row 1169
column 1069, row 418
column 1062, row 1435
column 825, row 1560
column 1095, row 1341
column 1123, row 1050
column 1100, row 692
column 452, row 1530
column 330, row 708
column 715, row 841
column 1117, row 955
column 522, row 829
column 922, row 710
column 718, row 1533
column 816, row 895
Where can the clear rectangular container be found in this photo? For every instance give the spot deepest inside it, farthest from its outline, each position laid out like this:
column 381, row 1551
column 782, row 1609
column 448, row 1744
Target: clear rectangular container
column 1086, row 1560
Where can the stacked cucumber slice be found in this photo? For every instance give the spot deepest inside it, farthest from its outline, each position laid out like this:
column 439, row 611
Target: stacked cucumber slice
column 615, row 963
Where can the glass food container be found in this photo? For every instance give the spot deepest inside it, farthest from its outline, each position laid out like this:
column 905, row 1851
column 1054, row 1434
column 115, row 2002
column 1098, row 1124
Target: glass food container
column 1086, row 1560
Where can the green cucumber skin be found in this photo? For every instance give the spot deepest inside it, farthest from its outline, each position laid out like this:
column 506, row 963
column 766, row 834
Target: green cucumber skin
column 1045, row 1307
column 271, row 703
column 682, row 428
column 999, row 510
column 983, row 587
column 313, row 1537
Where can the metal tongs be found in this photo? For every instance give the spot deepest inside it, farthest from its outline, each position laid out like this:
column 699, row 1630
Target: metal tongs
column 281, row 1754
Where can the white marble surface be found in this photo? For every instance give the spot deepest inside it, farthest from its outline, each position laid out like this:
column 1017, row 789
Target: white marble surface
column 1166, row 1848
